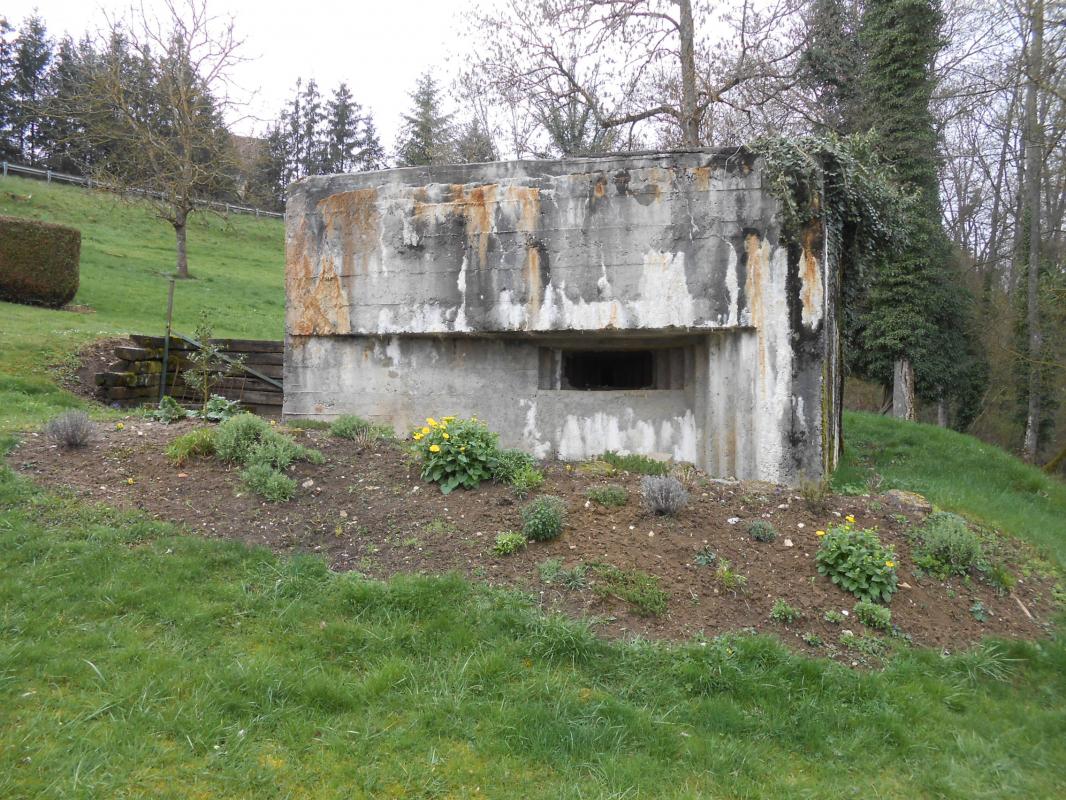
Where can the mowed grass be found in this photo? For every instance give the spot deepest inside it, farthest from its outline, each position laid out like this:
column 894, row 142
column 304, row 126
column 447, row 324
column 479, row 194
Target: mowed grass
column 127, row 255
column 135, row 662
column 958, row 473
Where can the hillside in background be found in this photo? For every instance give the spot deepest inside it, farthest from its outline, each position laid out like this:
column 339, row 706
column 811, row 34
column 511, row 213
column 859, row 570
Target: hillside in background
column 127, row 254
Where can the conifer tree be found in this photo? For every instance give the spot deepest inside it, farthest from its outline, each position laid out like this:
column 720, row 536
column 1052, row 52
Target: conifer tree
column 33, row 53
column 371, row 154
column 426, row 137
column 342, row 137
column 8, row 147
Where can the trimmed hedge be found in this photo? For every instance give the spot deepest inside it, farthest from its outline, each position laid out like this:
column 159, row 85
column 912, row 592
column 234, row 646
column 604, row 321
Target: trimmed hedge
column 38, row 262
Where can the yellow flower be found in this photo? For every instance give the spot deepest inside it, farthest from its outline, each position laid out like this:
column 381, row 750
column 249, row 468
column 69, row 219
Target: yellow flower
column 431, row 422
column 434, row 448
column 130, row 481
column 418, row 436
column 849, row 518
column 119, row 426
column 446, row 436
column 425, row 431
column 819, row 533
column 447, row 419
column 462, row 449
column 890, row 563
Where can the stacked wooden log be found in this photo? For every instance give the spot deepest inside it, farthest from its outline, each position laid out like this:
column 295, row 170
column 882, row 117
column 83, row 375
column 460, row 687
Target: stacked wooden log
column 134, row 377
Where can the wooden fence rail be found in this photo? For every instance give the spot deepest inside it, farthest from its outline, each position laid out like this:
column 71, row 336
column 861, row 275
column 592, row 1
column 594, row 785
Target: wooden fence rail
column 134, row 377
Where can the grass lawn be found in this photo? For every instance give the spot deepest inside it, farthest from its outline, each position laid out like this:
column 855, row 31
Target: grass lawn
column 126, row 256
column 139, row 662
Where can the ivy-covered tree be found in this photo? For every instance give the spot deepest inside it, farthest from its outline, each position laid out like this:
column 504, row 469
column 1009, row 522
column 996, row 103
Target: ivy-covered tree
column 831, row 64
column 917, row 311
column 426, row 137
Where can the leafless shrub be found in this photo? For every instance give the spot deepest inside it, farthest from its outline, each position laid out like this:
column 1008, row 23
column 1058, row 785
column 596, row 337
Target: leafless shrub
column 70, row 429
column 663, row 494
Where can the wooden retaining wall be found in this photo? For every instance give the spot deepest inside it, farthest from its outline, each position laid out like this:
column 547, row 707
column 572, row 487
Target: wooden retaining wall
column 133, row 378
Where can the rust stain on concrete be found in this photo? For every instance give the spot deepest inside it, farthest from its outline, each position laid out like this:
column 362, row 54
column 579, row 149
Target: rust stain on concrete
column 753, row 289
column 702, row 177
column 352, row 222
column 317, row 301
column 811, row 292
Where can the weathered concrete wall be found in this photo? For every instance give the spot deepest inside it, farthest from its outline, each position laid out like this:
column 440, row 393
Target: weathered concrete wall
column 416, row 292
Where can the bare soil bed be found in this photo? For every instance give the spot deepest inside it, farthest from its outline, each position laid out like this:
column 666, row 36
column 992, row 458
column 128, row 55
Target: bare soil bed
column 366, row 509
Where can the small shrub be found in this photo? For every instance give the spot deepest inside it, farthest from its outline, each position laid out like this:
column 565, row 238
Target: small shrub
column 168, row 411
column 246, row 439
column 505, row 465
column 525, row 480
column 762, row 531
column 456, row 452
column 728, row 578
column 705, row 557
column 198, row 443
column 833, row 617
column 269, row 483
column 815, row 494
column 208, row 364
column 349, row 426
column 812, row 639
column 610, row 496
column 947, row 546
column 38, row 262
column 633, row 586
column 873, row 616
column 634, row 462
column 979, row 612
column 857, row 562
column 71, row 429
column 218, row 408
column 508, row 543
column 663, row 495
column 543, row 518
column 784, row 613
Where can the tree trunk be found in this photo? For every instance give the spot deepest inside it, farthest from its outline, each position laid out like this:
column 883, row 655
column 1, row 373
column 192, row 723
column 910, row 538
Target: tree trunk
column 942, row 415
column 1033, row 163
column 180, row 222
column 690, row 125
column 903, row 390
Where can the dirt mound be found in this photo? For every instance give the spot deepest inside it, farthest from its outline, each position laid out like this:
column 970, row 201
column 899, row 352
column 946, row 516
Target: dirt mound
column 366, row 509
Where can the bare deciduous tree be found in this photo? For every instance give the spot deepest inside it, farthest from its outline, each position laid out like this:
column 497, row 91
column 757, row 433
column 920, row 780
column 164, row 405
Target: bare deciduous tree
column 153, row 101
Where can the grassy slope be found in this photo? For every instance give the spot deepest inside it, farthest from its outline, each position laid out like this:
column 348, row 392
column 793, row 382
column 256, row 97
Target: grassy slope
column 276, row 679
column 958, row 473
column 126, row 254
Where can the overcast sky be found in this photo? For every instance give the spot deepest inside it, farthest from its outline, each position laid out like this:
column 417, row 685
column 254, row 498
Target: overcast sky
column 379, row 47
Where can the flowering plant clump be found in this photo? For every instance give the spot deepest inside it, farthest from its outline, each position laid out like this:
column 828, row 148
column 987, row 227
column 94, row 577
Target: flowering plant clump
column 456, row 452
column 856, row 561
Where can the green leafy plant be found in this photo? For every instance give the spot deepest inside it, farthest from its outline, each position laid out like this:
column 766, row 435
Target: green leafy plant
column 218, row 408
column 812, row 639
column 551, row 570
column 705, row 557
column 349, row 426
column 1000, row 577
column 525, row 480
column 633, row 586
column 508, row 543
column 979, row 612
column 248, row 439
column 198, row 443
column 873, row 616
column 762, row 531
column 857, row 562
column 815, row 494
column 543, row 518
column 833, row 617
column 947, row 546
column 784, row 613
column 456, row 452
column 610, row 496
column 169, row 410
column 269, row 483
column 636, row 463
column 307, row 424
column 728, row 578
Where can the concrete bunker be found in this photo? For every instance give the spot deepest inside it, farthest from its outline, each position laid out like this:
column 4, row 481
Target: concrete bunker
column 642, row 303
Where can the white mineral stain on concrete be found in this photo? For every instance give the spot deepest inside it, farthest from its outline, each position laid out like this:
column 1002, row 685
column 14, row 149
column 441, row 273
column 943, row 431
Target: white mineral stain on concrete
column 583, row 437
column 664, row 300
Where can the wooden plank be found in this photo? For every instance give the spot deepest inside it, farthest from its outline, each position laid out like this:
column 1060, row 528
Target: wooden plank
column 227, row 345
column 139, row 353
column 128, row 379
